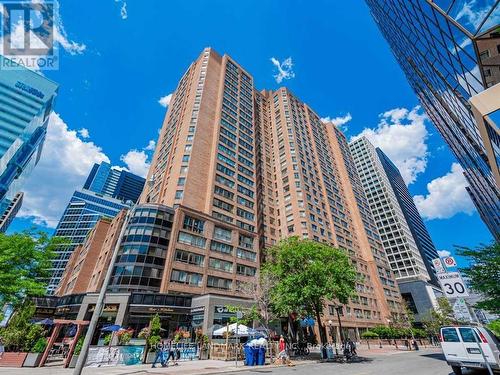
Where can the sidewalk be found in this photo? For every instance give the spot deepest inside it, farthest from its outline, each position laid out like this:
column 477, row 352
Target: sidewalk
column 187, row 368
column 194, row 367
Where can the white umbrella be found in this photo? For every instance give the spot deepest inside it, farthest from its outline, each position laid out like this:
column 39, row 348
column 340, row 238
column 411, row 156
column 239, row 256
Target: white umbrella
column 243, row 330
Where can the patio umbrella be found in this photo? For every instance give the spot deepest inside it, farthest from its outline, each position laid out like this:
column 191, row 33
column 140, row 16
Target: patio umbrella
column 46, row 322
column 112, row 328
column 243, row 330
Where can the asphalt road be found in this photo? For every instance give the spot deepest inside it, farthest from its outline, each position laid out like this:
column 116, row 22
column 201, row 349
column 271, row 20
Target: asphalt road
column 402, row 363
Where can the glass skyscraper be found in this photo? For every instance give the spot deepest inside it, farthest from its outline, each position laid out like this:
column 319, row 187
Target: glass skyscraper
column 415, row 223
column 106, row 192
column 450, row 53
column 26, row 100
column 114, row 183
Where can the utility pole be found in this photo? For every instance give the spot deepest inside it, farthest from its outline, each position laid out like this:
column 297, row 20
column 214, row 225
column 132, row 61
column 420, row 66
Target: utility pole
column 82, row 358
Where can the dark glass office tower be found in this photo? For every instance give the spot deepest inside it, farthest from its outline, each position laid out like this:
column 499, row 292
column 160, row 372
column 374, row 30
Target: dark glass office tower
column 106, row 192
column 415, row 223
column 450, row 53
column 116, row 183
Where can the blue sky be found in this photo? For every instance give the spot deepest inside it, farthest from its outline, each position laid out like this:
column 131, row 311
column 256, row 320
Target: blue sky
column 116, row 65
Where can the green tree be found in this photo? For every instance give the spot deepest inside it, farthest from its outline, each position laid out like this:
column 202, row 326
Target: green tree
column 21, row 334
column 495, row 327
column 309, row 273
column 24, row 265
column 437, row 318
column 484, row 274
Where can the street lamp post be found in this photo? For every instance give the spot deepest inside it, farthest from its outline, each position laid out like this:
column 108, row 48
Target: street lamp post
column 334, row 336
column 82, row 358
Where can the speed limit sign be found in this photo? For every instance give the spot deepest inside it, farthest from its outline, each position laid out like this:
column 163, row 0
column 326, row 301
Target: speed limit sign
column 452, row 284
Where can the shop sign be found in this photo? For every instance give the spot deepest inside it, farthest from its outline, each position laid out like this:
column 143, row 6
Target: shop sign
column 199, row 309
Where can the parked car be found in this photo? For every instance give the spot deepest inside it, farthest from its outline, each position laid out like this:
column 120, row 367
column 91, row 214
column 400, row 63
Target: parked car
column 461, row 347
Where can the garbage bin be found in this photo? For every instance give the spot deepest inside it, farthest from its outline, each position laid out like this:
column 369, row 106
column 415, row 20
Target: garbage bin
column 261, row 357
column 255, row 355
column 249, row 357
column 329, row 352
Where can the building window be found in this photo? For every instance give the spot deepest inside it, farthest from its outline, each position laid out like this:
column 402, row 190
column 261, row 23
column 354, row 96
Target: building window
column 222, row 234
column 185, row 158
column 245, row 270
column 190, row 239
column 179, row 194
column 245, row 241
column 484, row 55
column 189, row 278
column 189, row 258
column 193, row 224
column 221, row 247
column 245, row 254
column 219, row 283
column 181, row 181
column 220, row 265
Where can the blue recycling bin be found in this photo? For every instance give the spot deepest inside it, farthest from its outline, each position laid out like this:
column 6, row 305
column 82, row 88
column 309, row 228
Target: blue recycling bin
column 261, row 356
column 255, row 354
column 249, row 357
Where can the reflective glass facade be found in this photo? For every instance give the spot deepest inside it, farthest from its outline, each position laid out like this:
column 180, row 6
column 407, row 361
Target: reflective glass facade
column 141, row 258
column 449, row 51
column 26, row 100
column 120, row 184
column 84, row 209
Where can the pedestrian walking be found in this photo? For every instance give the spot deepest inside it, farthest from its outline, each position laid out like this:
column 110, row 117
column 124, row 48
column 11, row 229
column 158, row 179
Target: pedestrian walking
column 160, row 354
column 352, row 347
column 283, row 354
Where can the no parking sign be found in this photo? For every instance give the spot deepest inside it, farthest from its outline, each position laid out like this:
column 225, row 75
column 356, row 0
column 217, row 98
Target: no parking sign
column 450, row 262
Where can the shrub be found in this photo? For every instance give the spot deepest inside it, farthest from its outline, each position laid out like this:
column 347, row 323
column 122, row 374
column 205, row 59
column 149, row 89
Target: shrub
column 495, row 327
column 369, row 335
column 107, row 339
column 124, row 337
column 40, row 345
column 79, row 345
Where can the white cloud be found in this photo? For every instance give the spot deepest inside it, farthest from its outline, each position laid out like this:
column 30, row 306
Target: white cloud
column 165, row 100
column 446, row 196
column 136, row 162
column 151, row 145
column 473, row 13
column 70, row 46
column 123, row 9
column 84, row 133
column 401, row 134
column 339, row 121
column 65, row 163
column 285, row 69
column 443, row 253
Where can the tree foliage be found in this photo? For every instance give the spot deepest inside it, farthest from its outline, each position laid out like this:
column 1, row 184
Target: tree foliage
column 437, row 318
column 21, row 334
column 309, row 273
column 260, row 289
column 484, row 274
column 25, row 259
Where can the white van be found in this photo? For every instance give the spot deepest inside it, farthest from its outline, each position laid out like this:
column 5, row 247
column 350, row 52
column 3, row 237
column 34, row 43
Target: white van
column 461, row 348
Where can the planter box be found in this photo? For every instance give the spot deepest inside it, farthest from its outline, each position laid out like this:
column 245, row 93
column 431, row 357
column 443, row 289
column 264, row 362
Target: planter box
column 32, row 360
column 204, row 354
column 74, row 360
column 150, row 357
column 13, row 359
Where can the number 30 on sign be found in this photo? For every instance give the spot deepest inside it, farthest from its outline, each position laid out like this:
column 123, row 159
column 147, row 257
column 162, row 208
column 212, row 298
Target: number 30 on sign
column 453, row 285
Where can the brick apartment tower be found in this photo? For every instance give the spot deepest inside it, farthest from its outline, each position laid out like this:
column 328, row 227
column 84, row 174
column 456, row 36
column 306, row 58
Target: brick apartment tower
column 234, row 171
column 263, row 164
